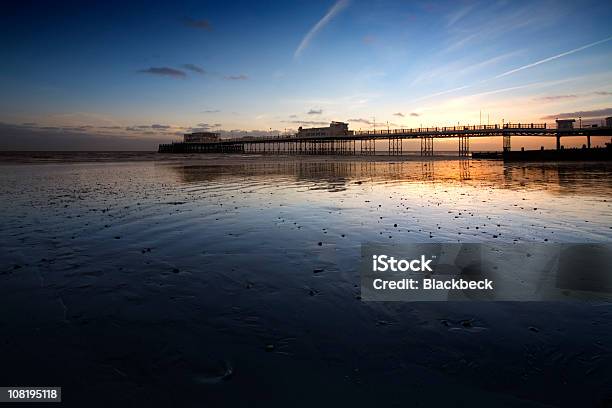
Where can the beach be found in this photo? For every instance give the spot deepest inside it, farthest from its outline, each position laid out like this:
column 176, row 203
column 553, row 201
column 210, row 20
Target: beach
column 233, row 279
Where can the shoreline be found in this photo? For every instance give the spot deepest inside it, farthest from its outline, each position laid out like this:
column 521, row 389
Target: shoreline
column 213, row 159
column 56, row 157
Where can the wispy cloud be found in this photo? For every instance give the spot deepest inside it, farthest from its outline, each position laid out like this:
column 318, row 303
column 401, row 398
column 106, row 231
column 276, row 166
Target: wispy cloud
column 146, row 127
column 94, row 129
column 554, row 57
column 361, row 120
column 555, row 98
column 458, row 68
column 194, row 68
column 401, row 115
column 315, row 111
column 460, row 43
column 306, row 122
column 498, row 19
column 459, row 88
column 371, row 122
column 603, row 93
column 181, row 73
column 336, row 8
column 488, row 62
column 164, row 71
column 201, row 24
column 539, row 84
column 17, row 137
column 211, row 111
column 459, row 14
column 585, row 114
column 207, row 125
column 486, row 80
column 240, row 77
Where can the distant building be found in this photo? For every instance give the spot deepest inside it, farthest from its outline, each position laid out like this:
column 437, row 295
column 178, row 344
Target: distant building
column 201, row 137
column 609, row 121
column 334, row 129
column 565, row 123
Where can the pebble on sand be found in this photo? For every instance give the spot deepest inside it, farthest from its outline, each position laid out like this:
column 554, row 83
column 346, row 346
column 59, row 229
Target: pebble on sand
column 534, row 329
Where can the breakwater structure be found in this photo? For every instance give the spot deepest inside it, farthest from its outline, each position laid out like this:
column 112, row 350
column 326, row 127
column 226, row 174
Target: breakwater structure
column 338, row 140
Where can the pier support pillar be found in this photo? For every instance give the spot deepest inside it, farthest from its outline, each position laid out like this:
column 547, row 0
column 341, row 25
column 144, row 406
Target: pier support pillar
column 395, row 146
column 558, row 141
column 507, row 145
column 464, row 146
column 588, row 141
column 426, row 146
column 368, row 147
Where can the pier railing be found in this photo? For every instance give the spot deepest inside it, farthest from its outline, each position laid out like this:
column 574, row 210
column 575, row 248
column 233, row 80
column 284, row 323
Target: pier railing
column 525, row 126
column 465, row 128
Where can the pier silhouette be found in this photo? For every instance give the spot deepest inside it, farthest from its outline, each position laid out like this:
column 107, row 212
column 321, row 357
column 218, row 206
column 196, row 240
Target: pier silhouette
column 364, row 142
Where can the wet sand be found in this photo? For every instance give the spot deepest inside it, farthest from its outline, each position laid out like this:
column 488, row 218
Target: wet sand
column 234, row 280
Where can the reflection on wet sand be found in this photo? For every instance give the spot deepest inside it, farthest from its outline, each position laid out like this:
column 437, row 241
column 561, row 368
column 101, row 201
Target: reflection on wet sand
column 589, row 178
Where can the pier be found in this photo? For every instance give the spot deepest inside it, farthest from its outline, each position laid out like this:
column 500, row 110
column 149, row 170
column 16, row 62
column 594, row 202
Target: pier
column 364, row 142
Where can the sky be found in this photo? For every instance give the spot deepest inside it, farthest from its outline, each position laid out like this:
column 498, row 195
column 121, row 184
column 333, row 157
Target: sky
column 117, row 74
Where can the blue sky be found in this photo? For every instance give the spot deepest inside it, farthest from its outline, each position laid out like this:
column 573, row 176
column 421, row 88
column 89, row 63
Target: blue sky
column 115, row 68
